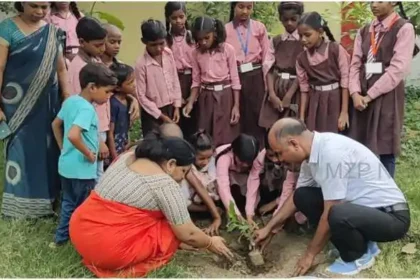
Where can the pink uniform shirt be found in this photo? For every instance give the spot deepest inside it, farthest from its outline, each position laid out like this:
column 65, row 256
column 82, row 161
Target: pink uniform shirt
column 270, row 58
column 320, row 55
column 225, row 164
column 400, row 62
column 253, row 185
column 258, row 42
column 214, row 67
column 67, row 24
column 157, row 86
column 75, row 66
column 182, row 52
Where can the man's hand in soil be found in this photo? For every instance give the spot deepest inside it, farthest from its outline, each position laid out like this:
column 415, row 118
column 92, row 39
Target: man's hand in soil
column 303, row 265
column 261, row 234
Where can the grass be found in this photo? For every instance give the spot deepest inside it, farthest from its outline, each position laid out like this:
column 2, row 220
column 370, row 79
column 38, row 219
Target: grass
column 25, row 251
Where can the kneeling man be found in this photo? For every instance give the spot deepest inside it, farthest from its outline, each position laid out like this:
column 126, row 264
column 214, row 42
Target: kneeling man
column 345, row 190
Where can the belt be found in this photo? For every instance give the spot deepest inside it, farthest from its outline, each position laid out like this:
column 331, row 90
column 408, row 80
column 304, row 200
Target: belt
column 186, row 71
column 72, row 49
column 255, row 66
column 326, row 87
column 395, row 208
column 286, row 76
column 215, row 87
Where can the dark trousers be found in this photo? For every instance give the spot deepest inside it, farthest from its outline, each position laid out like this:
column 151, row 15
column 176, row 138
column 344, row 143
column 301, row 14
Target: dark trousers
column 74, row 192
column 389, row 162
column 351, row 225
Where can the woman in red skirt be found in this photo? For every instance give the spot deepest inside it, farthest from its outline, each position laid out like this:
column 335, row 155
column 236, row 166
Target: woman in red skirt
column 136, row 218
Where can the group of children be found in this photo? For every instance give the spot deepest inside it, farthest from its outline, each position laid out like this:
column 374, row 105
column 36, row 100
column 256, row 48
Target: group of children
column 225, row 85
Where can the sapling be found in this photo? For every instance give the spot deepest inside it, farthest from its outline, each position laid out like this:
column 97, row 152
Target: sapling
column 245, row 231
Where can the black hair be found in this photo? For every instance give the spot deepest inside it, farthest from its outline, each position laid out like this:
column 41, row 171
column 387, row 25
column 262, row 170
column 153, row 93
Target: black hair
column 98, row 74
column 90, row 29
column 122, row 72
column 201, row 141
column 315, row 20
column 158, row 149
column 290, row 5
column 245, row 147
column 73, row 8
column 207, row 24
column 266, row 144
column 232, row 10
column 152, row 30
column 171, row 7
column 18, row 7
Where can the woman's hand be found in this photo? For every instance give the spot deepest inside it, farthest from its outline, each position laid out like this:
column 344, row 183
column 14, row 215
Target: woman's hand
column 218, row 246
column 213, row 229
column 235, row 115
column 165, row 118
column 343, row 121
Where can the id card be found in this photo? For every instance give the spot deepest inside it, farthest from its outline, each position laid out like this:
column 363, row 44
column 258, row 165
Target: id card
column 374, row 68
column 285, row 76
column 246, row 67
column 218, row 87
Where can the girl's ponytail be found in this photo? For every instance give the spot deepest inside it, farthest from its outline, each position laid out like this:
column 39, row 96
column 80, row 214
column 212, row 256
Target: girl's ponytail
column 232, row 10
column 188, row 37
column 402, row 12
column 220, row 31
column 169, row 39
column 328, row 31
column 75, row 10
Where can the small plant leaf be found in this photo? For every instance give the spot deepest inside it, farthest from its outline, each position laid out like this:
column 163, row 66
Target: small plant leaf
column 409, row 248
column 111, row 19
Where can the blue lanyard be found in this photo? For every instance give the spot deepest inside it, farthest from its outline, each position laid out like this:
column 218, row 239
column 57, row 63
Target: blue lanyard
column 244, row 46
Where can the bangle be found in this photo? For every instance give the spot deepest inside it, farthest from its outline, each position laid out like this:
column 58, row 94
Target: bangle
column 209, row 245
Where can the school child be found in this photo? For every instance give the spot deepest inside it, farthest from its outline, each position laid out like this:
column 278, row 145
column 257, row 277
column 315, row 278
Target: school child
column 265, row 183
column 282, row 98
column 215, row 82
column 200, row 186
column 158, row 89
column 118, row 137
column 109, row 58
column 250, row 40
column 381, row 59
column 179, row 39
column 323, row 74
column 79, row 144
column 66, row 15
column 92, row 37
column 233, row 164
column 112, row 45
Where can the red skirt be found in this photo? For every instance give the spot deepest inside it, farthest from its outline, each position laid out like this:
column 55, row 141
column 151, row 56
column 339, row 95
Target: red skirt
column 116, row 240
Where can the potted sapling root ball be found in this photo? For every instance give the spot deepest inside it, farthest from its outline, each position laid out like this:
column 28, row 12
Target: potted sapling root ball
column 245, row 231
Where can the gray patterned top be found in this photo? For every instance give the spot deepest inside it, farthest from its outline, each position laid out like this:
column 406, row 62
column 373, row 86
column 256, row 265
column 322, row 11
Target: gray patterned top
column 151, row 192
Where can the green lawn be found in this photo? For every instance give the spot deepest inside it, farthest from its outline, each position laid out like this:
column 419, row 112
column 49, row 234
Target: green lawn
column 25, row 251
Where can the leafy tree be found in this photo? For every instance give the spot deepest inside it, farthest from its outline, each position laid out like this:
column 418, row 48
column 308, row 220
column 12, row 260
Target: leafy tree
column 6, row 7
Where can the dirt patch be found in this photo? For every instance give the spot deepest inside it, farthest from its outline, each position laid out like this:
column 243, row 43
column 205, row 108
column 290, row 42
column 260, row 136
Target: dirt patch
column 280, row 259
